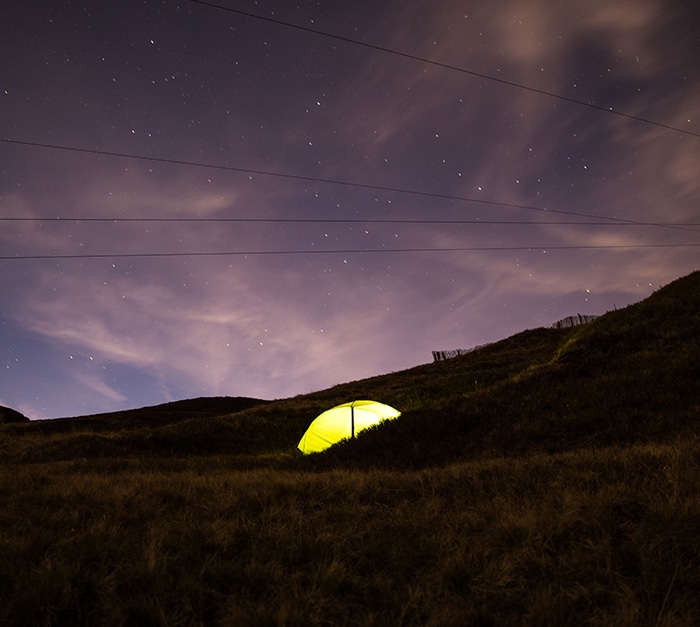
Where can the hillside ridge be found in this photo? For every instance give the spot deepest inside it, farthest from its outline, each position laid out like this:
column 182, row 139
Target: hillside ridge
column 628, row 376
column 550, row 478
column 7, row 415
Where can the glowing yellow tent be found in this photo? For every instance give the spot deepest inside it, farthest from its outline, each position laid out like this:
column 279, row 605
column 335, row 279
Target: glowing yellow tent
column 344, row 421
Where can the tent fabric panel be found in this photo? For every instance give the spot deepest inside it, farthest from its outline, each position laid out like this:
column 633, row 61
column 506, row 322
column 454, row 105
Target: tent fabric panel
column 335, row 424
column 326, row 430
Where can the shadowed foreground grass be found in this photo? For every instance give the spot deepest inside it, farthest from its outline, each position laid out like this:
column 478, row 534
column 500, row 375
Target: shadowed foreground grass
column 552, row 478
column 604, row 537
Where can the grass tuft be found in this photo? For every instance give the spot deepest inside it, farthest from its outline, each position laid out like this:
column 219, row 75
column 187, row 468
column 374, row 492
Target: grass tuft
column 548, row 479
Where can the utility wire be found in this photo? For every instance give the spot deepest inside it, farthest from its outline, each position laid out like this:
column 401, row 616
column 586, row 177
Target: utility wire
column 446, row 66
column 67, row 219
column 313, row 179
column 351, row 251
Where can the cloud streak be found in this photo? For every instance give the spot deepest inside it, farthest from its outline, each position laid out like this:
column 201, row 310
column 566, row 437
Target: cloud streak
column 198, row 85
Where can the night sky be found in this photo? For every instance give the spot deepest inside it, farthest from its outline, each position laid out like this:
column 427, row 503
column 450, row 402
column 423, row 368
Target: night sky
column 267, row 206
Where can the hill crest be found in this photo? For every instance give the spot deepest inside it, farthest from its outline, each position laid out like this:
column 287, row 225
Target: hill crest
column 628, row 376
column 8, row 415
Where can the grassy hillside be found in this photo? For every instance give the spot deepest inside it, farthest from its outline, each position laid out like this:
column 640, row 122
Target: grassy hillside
column 551, row 478
column 11, row 415
column 630, row 376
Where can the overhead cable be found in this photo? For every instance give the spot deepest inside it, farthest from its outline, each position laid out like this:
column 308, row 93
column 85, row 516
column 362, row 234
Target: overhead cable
column 352, row 251
column 446, row 66
column 431, row 222
column 314, row 179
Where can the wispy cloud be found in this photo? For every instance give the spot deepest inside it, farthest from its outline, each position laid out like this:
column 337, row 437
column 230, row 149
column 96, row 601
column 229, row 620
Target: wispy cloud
column 144, row 330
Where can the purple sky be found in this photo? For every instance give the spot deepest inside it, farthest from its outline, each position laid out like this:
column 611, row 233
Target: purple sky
column 181, row 81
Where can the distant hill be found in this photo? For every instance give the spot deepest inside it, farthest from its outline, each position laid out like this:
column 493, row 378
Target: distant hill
column 11, row 415
column 177, row 410
column 550, row 478
column 155, row 416
column 629, row 376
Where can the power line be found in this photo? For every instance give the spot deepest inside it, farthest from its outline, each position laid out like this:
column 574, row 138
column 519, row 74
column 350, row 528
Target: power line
column 351, row 251
column 313, row 179
column 446, row 66
column 67, row 219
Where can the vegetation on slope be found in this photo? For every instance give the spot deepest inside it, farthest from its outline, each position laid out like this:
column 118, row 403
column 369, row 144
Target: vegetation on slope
column 552, row 478
column 629, row 376
column 11, row 415
column 594, row 537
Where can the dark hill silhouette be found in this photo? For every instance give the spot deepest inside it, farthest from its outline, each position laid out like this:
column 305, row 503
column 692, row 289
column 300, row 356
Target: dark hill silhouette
column 555, row 483
column 11, row 415
column 177, row 410
column 629, row 376
column 155, row 416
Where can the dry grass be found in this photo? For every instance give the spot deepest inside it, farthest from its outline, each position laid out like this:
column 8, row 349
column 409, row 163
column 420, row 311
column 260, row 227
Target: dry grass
column 601, row 537
column 549, row 479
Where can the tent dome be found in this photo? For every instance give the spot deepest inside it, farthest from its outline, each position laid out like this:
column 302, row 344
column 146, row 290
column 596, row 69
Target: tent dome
column 344, row 421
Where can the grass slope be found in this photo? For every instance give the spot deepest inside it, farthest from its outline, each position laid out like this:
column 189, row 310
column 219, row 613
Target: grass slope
column 630, row 376
column 8, row 415
column 551, row 478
